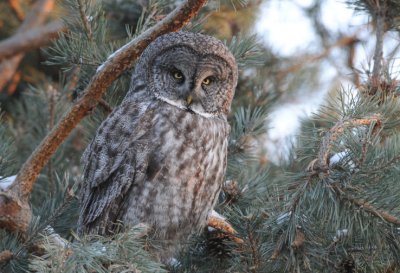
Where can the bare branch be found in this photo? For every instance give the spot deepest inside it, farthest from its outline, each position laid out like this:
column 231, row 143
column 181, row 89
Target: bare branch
column 17, row 9
column 380, row 32
column 345, row 41
column 35, row 18
column 19, row 192
column 28, row 40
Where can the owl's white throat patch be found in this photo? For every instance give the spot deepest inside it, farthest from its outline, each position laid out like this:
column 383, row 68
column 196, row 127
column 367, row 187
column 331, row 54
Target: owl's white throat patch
column 180, row 104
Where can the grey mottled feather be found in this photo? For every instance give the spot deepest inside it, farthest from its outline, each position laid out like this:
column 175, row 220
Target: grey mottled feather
column 155, row 159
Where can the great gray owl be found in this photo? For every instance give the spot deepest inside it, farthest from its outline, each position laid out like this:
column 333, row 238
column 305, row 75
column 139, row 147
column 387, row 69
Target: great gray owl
column 160, row 156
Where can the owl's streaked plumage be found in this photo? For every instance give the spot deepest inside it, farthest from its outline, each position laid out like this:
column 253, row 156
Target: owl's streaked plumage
column 160, row 157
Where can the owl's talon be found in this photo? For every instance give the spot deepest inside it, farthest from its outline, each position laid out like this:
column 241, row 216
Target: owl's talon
column 217, row 221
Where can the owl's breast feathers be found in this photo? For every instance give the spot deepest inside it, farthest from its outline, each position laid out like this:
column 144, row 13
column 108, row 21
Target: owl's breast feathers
column 153, row 163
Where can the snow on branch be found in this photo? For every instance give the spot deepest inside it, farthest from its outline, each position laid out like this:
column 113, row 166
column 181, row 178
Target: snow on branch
column 335, row 132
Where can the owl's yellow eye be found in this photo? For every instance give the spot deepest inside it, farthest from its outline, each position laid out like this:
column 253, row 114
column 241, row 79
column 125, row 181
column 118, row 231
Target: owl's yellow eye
column 178, row 75
column 206, row 81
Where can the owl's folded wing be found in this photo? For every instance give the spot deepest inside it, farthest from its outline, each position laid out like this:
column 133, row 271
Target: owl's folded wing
column 110, row 164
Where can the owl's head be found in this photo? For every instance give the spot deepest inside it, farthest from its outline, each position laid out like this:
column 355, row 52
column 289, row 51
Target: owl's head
column 191, row 71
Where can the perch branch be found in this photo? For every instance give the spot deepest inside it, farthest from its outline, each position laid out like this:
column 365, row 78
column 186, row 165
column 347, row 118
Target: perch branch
column 28, row 40
column 109, row 71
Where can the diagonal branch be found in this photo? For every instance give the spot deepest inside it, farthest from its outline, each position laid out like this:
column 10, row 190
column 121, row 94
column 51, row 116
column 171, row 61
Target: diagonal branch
column 364, row 205
column 109, row 71
column 35, row 18
column 28, row 40
column 345, row 41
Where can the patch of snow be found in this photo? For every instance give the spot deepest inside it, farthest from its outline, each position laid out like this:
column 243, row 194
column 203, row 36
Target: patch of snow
column 217, row 215
column 6, row 182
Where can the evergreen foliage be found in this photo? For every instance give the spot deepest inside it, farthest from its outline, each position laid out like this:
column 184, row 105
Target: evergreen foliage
column 332, row 206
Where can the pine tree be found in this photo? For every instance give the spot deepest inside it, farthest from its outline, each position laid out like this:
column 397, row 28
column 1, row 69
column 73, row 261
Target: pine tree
column 330, row 207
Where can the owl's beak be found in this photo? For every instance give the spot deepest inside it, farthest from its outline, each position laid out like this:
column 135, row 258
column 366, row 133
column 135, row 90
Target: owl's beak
column 189, row 99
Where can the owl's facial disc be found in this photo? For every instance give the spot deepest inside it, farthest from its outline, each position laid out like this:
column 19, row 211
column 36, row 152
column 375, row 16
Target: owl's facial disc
column 186, row 79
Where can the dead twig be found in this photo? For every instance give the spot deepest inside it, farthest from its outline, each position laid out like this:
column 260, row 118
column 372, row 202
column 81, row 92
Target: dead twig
column 17, row 9
column 18, row 194
column 342, row 42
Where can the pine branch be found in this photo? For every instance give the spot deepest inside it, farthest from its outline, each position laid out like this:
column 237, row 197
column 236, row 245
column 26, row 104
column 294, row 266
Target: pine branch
column 323, row 163
column 114, row 66
column 85, row 21
column 335, row 132
column 28, row 40
column 320, row 166
column 366, row 206
column 253, row 247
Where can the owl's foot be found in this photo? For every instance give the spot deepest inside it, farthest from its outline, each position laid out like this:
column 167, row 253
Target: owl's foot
column 217, row 221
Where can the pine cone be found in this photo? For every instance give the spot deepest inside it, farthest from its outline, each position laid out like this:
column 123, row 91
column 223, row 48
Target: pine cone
column 348, row 265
